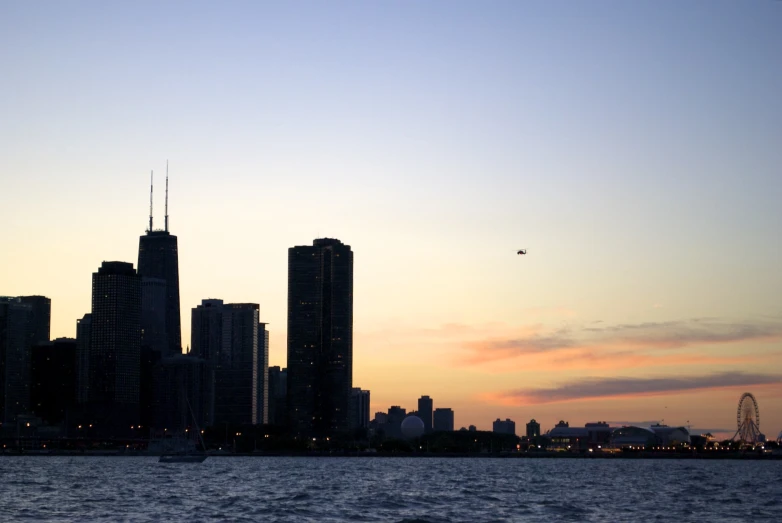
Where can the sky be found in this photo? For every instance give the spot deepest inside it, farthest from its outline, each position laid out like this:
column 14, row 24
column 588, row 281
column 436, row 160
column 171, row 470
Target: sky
column 633, row 148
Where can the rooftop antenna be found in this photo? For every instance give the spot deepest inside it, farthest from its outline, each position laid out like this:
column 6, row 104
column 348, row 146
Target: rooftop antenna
column 166, row 195
column 151, row 185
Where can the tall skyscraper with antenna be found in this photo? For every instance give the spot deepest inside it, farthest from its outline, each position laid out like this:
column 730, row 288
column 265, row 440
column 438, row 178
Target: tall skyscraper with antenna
column 158, row 264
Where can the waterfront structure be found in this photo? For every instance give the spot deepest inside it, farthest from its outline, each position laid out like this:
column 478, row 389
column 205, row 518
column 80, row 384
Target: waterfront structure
column 443, row 420
column 24, row 322
column 278, row 393
column 359, row 409
column 53, row 379
column 83, row 336
column 115, row 346
column 158, row 258
column 425, row 406
column 591, row 435
column 504, row 427
column 226, row 336
column 533, row 429
column 320, row 337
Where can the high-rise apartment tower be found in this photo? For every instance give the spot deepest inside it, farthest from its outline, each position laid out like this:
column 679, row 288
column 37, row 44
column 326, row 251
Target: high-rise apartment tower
column 320, row 337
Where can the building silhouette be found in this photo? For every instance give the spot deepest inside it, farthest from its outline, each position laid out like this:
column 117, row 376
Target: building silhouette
column 359, row 409
column 278, row 393
column 261, row 376
column 53, row 380
column 533, row 429
column 115, row 346
column 320, row 337
column 443, row 420
column 504, row 427
column 182, row 393
column 425, row 405
column 154, row 333
column 24, row 322
column 158, row 258
column 83, row 337
column 234, row 346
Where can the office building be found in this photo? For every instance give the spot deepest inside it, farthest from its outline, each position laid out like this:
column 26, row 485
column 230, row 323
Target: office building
column 425, row 406
column 278, row 393
column 504, row 427
column 261, row 376
column 24, row 322
column 182, row 393
column 359, row 409
column 227, row 337
column 154, row 333
column 115, row 345
column 533, row 429
column 443, row 420
column 158, row 258
column 53, row 380
column 83, row 337
column 320, row 337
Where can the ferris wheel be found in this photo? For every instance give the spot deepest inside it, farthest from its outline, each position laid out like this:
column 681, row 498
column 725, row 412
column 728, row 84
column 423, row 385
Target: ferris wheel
column 747, row 419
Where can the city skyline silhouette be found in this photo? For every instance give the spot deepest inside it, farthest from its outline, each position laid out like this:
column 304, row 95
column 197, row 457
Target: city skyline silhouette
column 637, row 164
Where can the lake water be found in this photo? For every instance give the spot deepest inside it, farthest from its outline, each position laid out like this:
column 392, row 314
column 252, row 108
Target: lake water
column 136, row 489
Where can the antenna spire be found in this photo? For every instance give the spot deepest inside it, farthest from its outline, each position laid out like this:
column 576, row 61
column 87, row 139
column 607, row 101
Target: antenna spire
column 151, row 185
column 166, row 195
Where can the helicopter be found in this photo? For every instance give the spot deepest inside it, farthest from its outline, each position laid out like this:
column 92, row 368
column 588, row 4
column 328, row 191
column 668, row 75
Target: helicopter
column 522, row 251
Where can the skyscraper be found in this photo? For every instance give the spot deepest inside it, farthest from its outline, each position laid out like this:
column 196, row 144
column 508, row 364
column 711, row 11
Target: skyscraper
column 261, row 369
column 320, row 337
column 230, row 340
column 425, row 405
column 158, row 258
column 115, row 344
column 24, row 322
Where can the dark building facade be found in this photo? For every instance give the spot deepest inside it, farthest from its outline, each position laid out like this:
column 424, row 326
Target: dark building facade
column 533, row 429
column 504, row 427
column 227, row 337
column 53, row 380
column 182, row 392
column 320, row 337
column 425, row 408
column 24, row 322
column 158, row 258
column 278, row 394
column 261, row 378
column 83, row 337
column 115, row 345
column 154, row 299
column 359, row 409
column 443, row 420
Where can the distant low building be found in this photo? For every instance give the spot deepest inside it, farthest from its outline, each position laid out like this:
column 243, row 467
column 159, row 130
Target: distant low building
column 443, row 420
column 504, row 427
column 533, row 429
column 592, row 435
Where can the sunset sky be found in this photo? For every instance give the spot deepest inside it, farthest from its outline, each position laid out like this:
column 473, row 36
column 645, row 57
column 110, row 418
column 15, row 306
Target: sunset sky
column 634, row 148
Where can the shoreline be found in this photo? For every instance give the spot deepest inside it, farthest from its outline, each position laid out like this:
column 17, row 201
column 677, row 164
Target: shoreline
column 424, row 455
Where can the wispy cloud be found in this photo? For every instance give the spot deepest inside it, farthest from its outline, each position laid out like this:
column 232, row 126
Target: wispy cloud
column 614, row 343
column 624, row 387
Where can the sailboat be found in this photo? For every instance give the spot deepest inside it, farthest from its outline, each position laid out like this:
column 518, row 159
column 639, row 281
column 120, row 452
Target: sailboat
column 185, row 455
